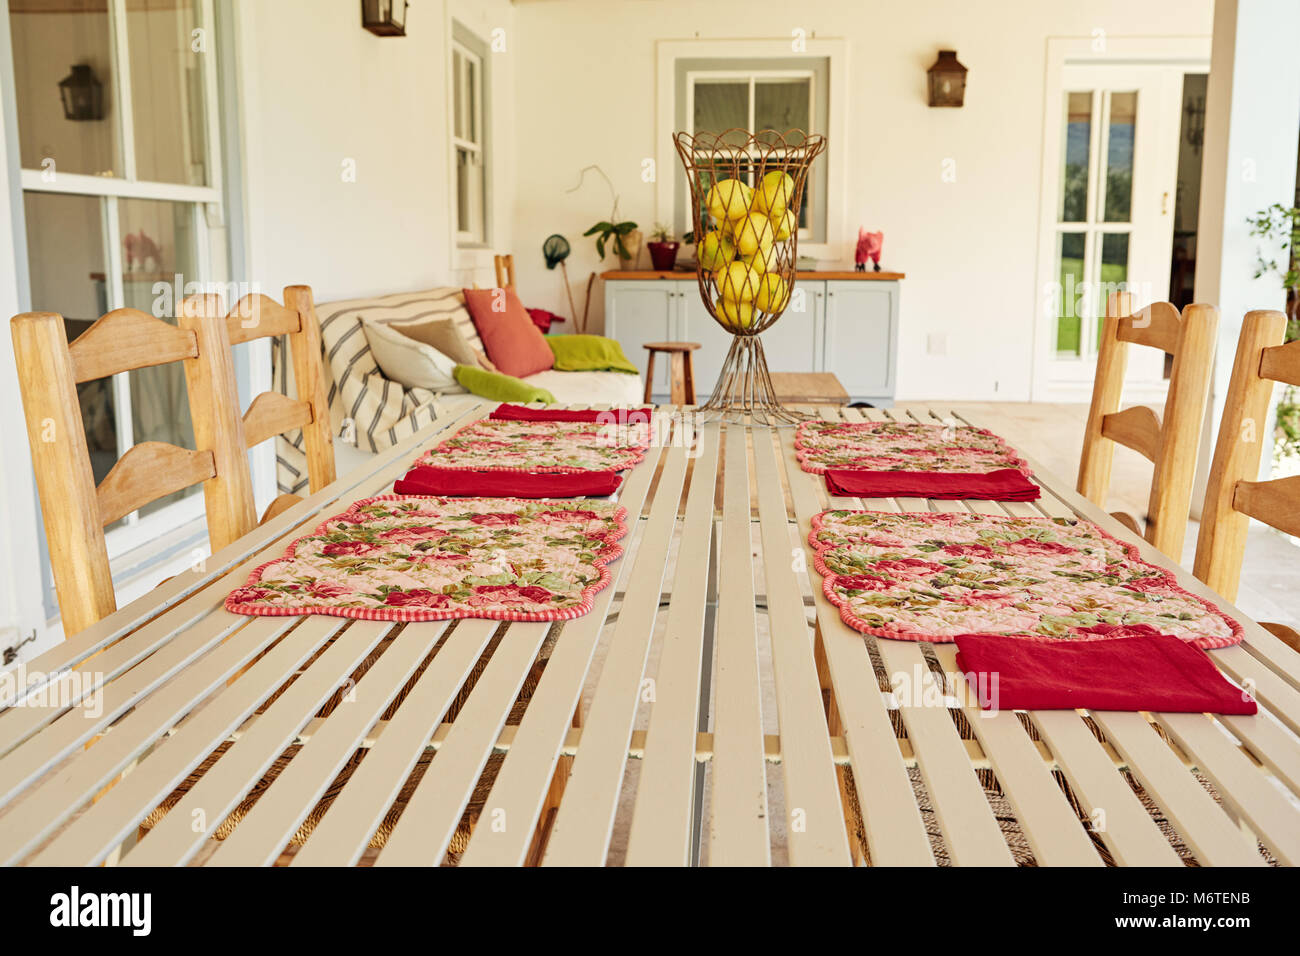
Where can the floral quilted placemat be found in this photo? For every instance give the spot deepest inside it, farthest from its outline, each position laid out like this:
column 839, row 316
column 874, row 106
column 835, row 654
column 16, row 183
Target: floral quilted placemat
column 901, row 446
column 414, row 558
column 542, row 447
column 932, row 577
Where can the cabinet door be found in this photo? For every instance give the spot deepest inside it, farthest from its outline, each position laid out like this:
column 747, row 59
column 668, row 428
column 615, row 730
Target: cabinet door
column 790, row 343
column 699, row 326
column 637, row 312
column 860, row 337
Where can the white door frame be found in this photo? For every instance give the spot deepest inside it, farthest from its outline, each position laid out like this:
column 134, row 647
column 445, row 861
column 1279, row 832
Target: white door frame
column 1189, row 54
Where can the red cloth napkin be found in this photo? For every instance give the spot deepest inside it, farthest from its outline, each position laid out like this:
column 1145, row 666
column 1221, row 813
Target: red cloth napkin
column 1005, row 484
column 427, row 480
column 1149, row 672
column 522, row 413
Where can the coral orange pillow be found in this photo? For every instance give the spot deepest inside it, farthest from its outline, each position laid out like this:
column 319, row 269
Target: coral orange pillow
column 514, row 344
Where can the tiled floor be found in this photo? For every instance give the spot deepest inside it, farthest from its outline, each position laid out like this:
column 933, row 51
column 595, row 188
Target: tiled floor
column 1053, row 435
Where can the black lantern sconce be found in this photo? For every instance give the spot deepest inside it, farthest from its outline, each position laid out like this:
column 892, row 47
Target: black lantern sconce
column 385, row 18
column 947, row 80
column 82, row 94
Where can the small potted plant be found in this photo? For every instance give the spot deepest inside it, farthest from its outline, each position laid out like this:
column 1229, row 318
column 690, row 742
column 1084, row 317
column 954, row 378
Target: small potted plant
column 663, row 248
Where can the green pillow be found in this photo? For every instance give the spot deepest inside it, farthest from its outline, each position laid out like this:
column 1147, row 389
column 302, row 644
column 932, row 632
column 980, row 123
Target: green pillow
column 589, row 353
column 499, row 387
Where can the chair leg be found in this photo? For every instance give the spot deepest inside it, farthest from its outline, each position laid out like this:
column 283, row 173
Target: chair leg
column 690, row 379
column 649, row 377
column 677, row 390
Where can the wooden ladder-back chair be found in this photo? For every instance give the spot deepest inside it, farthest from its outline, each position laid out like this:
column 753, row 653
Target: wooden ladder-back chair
column 75, row 511
column 1234, row 495
column 270, row 414
column 1170, row 444
column 505, row 267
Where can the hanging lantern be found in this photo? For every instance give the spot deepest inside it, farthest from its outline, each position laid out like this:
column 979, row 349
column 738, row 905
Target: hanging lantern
column 385, row 18
column 82, row 94
column 947, row 80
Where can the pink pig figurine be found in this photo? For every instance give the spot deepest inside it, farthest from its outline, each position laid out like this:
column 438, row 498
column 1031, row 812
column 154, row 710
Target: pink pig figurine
column 869, row 246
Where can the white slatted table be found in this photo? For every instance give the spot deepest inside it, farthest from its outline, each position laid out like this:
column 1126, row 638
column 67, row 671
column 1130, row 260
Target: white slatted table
column 731, row 718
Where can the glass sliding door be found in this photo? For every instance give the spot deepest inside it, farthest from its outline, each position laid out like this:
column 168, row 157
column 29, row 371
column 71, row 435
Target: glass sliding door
column 116, row 107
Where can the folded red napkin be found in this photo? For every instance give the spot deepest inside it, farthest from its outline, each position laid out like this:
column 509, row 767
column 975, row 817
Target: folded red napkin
column 1149, row 672
column 427, row 480
column 522, row 413
column 1005, row 484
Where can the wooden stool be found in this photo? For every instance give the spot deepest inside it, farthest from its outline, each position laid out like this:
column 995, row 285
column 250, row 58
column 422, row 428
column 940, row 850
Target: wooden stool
column 682, row 372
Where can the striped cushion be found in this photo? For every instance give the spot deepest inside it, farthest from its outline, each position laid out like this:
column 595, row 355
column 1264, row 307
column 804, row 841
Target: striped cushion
column 381, row 412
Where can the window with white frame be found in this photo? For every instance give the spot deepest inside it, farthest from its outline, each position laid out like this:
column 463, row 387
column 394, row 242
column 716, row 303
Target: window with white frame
column 119, row 143
column 771, row 93
column 777, row 100
column 468, row 137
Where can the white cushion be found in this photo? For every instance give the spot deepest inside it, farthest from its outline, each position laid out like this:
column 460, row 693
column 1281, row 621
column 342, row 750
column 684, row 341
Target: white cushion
column 583, row 388
column 409, row 362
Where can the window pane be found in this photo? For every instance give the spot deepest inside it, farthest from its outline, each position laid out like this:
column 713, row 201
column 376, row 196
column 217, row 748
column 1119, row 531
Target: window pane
column 458, row 94
column 471, row 106
column 1119, row 156
column 65, row 253
column 48, row 41
column 158, row 244
column 167, row 101
column 1114, row 267
column 721, row 106
column 1070, row 248
column 781, row 105
column 1074, row 177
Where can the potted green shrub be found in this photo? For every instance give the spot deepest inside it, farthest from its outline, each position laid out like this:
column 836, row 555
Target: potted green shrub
column 1280, row 225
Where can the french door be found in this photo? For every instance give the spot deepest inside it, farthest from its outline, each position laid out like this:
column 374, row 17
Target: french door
column 122, row 199
column 1111, row 181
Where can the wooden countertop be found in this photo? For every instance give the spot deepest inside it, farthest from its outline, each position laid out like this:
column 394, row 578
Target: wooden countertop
column 806, row 276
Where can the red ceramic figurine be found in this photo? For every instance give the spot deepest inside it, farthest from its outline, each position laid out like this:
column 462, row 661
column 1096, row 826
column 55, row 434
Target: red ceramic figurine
column 869, row 245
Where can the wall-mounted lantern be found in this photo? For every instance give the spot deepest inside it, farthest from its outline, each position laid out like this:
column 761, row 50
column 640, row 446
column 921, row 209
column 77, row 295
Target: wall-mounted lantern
column 385, row 18
column 947, row 80
column 82, row 94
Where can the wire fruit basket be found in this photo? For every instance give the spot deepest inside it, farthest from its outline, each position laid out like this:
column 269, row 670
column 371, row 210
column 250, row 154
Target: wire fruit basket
column 747, row 190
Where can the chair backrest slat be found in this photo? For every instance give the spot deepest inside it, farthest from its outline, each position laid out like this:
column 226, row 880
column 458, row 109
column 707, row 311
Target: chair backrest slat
column 1275, row 502
column 1233, row 494
column 271, row 414
column 147, row 472
column 1170, row 443
column 1137, row 427
column 1281, row 363
column 257, row 316
column 1158, row 326
column 128, row 339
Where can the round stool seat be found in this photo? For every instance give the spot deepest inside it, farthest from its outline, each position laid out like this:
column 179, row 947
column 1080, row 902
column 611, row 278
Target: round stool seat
column 681, row 378
column 671, row 346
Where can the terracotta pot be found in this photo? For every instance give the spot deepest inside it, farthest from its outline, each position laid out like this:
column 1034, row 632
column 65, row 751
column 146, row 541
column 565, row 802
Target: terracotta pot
column 663, row 255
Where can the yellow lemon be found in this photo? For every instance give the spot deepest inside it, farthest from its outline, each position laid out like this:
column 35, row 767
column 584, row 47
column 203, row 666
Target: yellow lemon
column 715, row 251
column 753, row 233
column 737, row 315
column 772, row 293
column 774, row 193
column 762, row 261
column 786, row 225
column 737, row 282
column 729, row 199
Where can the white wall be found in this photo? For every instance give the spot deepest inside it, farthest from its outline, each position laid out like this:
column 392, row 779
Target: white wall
column 968, row 247
column 319, row 92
